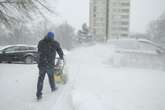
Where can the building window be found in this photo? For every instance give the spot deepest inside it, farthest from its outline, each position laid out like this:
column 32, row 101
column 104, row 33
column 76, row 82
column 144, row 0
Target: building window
column 116, row 10
column 114, row 34
column 124, row 23
column 124, row 35
column 124, row 29
column 115, row 23
column 125, row 16
column 115, row 28
column 125, row 10
column 125, row 4
column 116, row 17
column 94, row 9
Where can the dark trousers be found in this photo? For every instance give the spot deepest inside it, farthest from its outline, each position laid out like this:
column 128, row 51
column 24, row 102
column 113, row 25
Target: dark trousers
column 42, row 72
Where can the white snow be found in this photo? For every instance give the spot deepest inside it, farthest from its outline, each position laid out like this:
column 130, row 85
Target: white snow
column 113, row 88
column 84, row 100
column 93, row 85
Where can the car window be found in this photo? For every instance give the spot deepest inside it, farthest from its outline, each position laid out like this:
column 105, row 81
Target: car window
column 11, row 49
column 22, row 48
column 1, row 52
column 31, row 48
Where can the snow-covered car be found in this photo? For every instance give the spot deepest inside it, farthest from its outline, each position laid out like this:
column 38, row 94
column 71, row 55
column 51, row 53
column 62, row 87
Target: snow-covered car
column 23, row 53
column 137, row 52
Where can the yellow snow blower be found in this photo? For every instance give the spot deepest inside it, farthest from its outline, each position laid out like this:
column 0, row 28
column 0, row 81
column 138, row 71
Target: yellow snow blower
column 59, row 75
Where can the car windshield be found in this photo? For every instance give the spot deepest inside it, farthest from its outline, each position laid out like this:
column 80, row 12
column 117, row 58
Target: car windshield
column 4, row 47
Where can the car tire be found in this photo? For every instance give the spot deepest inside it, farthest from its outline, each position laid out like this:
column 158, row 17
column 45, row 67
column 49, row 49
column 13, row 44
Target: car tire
column 29, row 60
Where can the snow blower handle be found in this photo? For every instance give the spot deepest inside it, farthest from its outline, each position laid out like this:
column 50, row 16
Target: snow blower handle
column 59, row 63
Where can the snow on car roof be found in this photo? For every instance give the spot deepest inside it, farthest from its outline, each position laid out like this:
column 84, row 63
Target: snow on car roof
column 134, row 40
column 125, row 42
column 122, row 41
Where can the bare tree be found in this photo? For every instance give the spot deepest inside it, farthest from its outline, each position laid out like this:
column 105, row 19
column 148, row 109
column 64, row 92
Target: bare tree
column 156, row 29
column 26, row 33
column 16, row 10
column 65, row 34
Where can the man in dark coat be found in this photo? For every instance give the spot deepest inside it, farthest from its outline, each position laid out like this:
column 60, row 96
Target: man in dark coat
column 47, row 49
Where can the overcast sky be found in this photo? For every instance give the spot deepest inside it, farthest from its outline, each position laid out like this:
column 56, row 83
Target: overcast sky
column 75, row 12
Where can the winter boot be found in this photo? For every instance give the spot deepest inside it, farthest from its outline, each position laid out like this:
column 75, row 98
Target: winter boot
column 39, row 97
column 54, row 89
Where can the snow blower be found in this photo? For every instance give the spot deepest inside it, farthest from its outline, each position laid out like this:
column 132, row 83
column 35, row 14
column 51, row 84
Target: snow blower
column 59, row 76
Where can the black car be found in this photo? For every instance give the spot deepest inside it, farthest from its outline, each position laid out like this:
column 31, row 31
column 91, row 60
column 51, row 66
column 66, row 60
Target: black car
column 23, row 53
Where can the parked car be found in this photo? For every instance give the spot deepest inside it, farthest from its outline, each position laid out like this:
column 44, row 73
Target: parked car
column 137, row 52
column 23, row 53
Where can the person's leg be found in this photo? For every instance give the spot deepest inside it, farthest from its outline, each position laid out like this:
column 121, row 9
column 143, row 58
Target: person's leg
column 42, row 72
column 50, row 73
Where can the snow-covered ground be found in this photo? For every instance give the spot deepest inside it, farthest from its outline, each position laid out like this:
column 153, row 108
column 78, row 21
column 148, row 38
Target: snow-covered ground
column 93, row 85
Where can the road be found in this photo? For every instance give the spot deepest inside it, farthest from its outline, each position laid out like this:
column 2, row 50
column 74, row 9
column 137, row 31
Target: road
column 18, row 88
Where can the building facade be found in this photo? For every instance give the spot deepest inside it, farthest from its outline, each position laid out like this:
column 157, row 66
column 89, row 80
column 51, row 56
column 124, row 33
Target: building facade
column 109, row 18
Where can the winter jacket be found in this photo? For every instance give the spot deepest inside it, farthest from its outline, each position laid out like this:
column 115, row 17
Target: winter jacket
column 47, row 49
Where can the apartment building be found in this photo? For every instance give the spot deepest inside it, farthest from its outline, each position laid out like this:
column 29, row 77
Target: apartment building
column 109, row 18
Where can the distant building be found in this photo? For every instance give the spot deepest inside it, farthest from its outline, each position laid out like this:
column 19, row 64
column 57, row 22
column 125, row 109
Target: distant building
column 109, row 18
